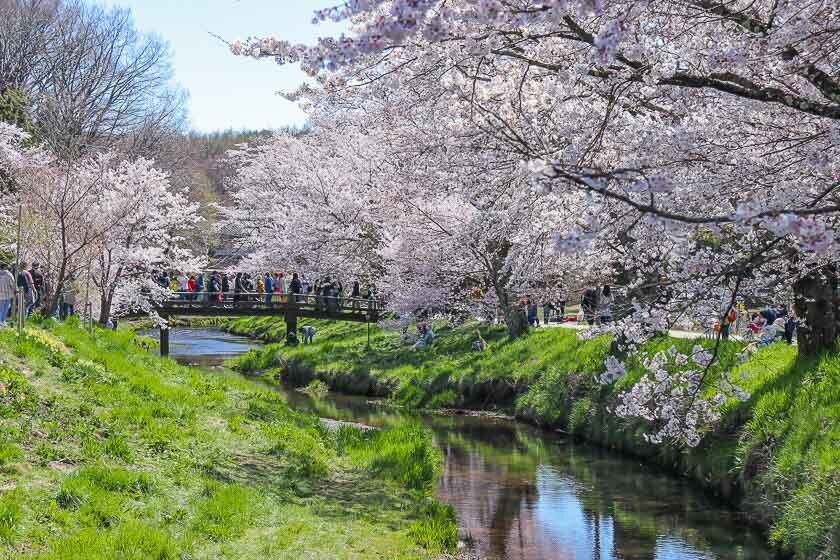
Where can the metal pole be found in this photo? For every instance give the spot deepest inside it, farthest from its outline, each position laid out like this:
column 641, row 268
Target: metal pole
column 164, row 341
column 88, row 304
column 21, row 312
column 19, row 298
column 17, row 244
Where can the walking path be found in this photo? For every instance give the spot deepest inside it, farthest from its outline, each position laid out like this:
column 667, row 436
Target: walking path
column 673, row 333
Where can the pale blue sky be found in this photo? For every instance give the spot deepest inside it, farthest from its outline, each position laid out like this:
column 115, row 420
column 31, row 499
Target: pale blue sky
column 227, row 91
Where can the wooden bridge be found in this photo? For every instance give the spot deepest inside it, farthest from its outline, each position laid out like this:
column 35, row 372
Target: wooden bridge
column 289, row 306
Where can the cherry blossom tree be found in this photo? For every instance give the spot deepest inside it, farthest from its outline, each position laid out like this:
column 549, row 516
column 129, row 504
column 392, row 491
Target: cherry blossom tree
column 101, row 219
column 689, row 148
column 308, row 202
column 151, row 222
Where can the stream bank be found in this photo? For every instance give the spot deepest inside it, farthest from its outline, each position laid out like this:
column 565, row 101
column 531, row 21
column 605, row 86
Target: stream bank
column 521, row 492
column 776, row 456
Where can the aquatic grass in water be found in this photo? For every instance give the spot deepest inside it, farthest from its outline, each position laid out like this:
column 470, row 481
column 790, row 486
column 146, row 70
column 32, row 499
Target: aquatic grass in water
column 303, row 449
column 317, row 389
column 404, row 453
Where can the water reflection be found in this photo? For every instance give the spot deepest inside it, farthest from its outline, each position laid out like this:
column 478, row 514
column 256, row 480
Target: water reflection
column 523, row 493
column 202, row 346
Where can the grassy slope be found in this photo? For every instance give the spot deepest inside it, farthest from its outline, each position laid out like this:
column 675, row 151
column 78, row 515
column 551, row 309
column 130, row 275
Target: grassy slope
column 780, row 451
column 109, row 452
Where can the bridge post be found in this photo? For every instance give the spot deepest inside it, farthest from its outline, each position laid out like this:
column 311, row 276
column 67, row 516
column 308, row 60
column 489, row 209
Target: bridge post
column 164, row 341
column 290, row 317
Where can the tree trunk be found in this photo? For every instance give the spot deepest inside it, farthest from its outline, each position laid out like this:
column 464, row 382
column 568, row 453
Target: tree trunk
column 290, row 317
column 516, row 320
column 105, row 303
column 51, row 304
column 818, row 309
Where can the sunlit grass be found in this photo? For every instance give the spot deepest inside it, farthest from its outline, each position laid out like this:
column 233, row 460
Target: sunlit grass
column 107, row 451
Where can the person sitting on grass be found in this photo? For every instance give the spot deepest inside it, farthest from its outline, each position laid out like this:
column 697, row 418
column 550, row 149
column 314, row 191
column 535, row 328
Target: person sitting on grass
column 308, row 332
column 426, row 337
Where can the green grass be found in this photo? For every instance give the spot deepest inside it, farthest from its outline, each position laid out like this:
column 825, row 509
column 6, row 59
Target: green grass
column 777, row 454
column 789, row 449
column 448, row 373
column 107, row 451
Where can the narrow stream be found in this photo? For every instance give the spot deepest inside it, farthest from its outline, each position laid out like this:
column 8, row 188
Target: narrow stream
column 524, row 493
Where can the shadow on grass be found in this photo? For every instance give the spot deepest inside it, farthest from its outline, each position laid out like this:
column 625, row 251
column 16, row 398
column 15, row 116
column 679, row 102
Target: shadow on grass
column 345, row 494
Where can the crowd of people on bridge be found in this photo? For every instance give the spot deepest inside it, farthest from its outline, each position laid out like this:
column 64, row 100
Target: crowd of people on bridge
column 269, row 288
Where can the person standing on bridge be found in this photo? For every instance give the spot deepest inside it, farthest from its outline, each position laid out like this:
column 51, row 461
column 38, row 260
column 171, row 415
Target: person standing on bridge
column 237, row 286
column 268, row 285
column 331, row 297
column 225, row 286
column 191, row 287
column 280, row 286
column 260, row 289
column 213, row 288
column 320, row 291
column 199, row 287
column 355, row 295
column 295, row 287
column 183, row 286
column 305, row 288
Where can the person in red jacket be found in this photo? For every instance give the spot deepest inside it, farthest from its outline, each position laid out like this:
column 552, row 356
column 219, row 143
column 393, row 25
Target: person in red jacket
column 191, row 286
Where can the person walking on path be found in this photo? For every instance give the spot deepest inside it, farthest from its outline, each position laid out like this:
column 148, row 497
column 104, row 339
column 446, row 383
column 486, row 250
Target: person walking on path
column 605, row 301
column 589, row 305
column 68, row 293
column 547, row 307
column 560, row 305
column 790, row 327
column 38, row 284
column 533, row 317
column 25, row 283
column 730, row 315
column 7, row 292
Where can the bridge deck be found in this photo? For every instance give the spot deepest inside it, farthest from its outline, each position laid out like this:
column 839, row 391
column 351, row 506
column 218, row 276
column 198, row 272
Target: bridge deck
column 253, row 305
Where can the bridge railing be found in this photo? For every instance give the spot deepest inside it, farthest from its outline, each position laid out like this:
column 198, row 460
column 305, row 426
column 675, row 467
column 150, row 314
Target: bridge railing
column 255, row 300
